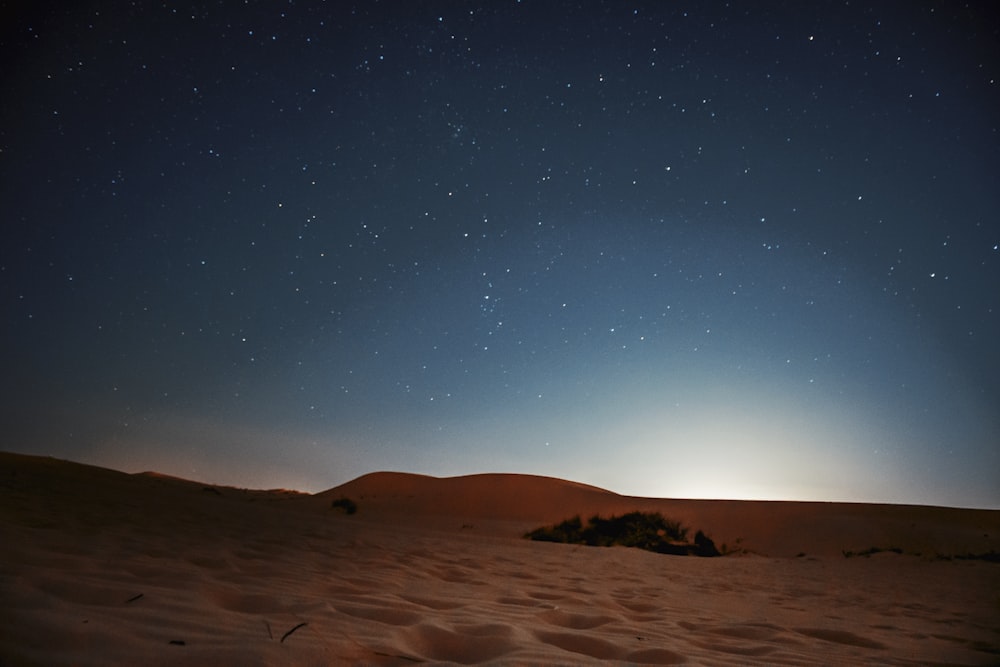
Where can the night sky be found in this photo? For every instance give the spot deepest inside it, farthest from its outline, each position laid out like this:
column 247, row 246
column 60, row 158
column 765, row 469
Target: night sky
column 732, row 250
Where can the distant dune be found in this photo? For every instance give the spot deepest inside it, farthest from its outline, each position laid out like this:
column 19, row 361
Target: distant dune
column 504, row 497
column 100, row 567
column 765, row 527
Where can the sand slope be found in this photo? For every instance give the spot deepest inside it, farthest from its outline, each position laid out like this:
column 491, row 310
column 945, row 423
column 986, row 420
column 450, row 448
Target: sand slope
column 763, row 527
column 103, row 568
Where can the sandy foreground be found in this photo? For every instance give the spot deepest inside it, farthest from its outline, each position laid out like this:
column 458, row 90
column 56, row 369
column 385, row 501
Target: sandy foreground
column 99, row 567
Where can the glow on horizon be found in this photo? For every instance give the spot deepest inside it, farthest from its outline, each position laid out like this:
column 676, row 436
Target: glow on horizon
column 722, row 453
column 729, row 441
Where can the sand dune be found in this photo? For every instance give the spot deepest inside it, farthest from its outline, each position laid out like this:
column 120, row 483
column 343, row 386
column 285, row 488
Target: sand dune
column 763, row 527
column 99, row 567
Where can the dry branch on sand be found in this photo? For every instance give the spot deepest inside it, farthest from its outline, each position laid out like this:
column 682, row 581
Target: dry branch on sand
column 287, row 634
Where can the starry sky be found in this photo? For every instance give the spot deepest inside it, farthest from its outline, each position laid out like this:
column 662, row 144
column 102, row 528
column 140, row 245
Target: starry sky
column 707, row 250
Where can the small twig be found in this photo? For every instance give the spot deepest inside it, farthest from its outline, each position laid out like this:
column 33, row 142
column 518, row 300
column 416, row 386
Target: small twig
column 133, row 598
column 285, row 636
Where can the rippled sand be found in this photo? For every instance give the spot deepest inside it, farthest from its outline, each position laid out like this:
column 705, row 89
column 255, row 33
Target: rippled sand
column 102, row 568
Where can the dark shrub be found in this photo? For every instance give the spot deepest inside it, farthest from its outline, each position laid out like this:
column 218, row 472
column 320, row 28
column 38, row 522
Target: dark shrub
column 346, row 505
column 704, row 546
column 871, row 551
column 644, row 530
column 989, row 557
column 568, row 531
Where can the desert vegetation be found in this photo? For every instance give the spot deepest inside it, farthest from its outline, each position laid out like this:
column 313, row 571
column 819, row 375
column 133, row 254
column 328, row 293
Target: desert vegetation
column 989, row 556
column 870, row 551
column 345, row 505
column 644, row 530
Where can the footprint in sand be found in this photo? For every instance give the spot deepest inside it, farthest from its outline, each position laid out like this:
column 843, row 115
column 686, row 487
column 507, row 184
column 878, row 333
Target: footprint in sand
column 524, row 602
column 840, row 637
column 732, row 638
column 438, row 604
column 565, row 619
column 465, row 644
column 582, row 644
column 380, row 614
column 655, row 656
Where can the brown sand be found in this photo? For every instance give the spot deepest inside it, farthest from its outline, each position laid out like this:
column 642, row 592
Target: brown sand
column 99, row 567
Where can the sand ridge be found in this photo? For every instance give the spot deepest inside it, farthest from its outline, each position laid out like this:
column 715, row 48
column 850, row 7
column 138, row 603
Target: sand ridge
column 771, row 528
column 105, row 568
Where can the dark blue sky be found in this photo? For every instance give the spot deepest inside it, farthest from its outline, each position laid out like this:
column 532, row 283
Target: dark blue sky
column 708, row 250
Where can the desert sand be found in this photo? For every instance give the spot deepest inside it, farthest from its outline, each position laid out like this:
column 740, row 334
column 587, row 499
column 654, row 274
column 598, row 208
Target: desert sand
column 99, row 567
